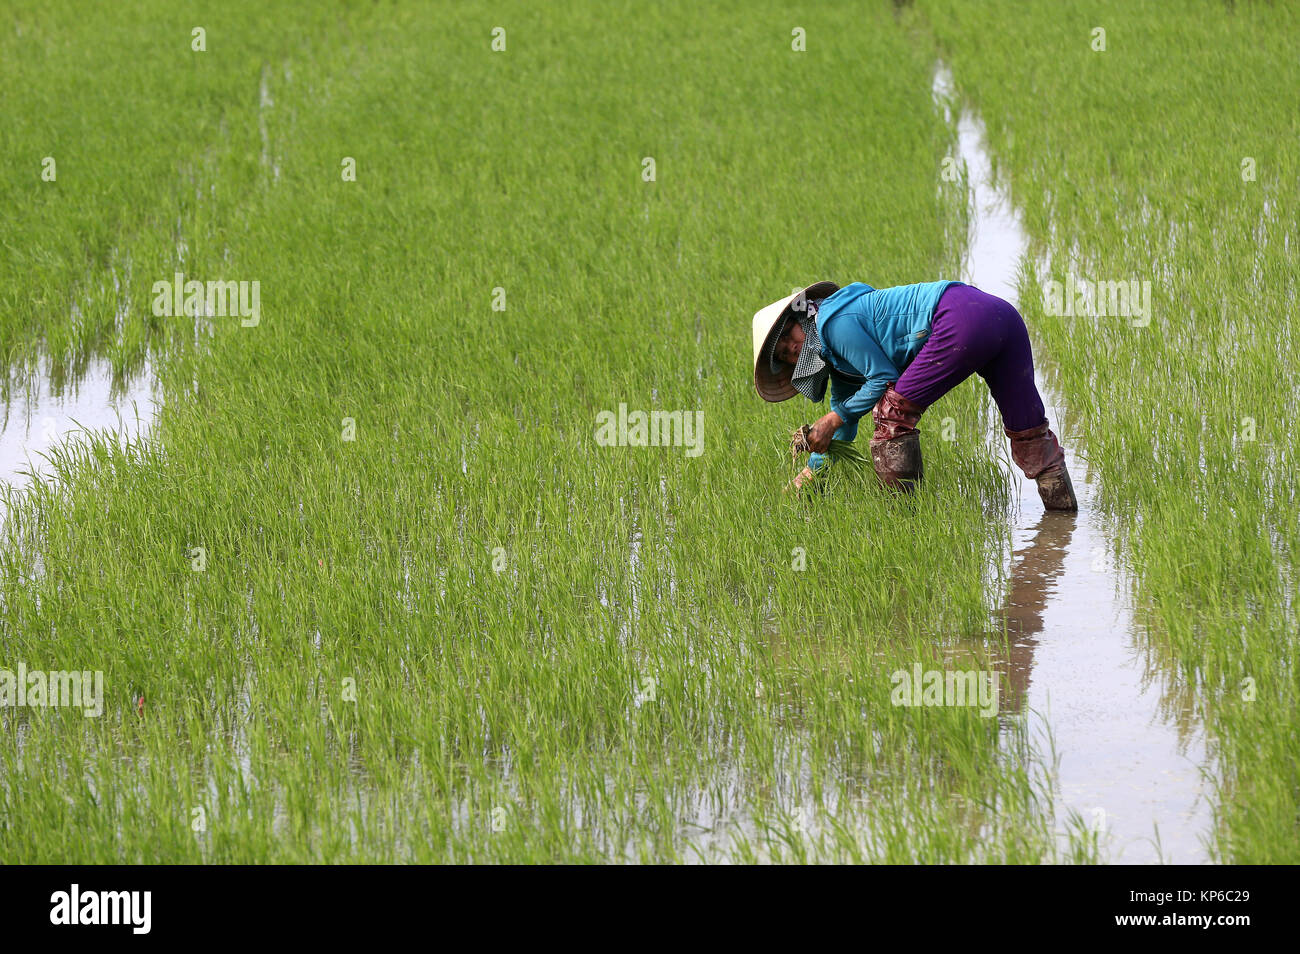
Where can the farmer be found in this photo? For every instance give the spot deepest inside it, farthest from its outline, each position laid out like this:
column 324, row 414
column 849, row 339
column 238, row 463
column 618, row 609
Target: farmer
column 897, row 351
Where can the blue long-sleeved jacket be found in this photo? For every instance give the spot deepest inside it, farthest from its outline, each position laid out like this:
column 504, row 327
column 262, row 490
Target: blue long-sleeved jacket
column 874, row 332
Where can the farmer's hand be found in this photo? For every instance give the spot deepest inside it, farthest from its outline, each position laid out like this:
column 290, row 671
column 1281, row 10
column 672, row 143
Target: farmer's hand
column 819, row 438
column 800, row 479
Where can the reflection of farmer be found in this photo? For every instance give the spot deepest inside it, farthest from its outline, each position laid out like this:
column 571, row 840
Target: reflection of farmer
column 898, row 350
column 1035, row 568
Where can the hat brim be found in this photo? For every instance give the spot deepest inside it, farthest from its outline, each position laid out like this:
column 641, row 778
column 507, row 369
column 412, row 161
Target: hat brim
column 775, row 386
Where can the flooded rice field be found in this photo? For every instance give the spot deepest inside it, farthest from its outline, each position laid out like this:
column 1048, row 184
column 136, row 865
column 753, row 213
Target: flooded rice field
column 383, row 583
column 1129, row 762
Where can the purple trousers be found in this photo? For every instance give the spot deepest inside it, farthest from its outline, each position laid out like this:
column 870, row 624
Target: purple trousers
column 974, row 332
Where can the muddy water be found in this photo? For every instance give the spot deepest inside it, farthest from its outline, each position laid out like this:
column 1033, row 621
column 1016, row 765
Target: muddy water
column 1129, row 761
column 45, row 414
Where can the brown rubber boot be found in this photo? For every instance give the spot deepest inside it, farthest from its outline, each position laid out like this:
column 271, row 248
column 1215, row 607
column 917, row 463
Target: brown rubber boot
column 896, row 444
column 898, row 461
column 1039, row 454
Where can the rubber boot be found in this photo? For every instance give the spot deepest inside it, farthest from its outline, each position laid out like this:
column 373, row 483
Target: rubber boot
column 898, row 461
column 896, row 444
column 1039, row 454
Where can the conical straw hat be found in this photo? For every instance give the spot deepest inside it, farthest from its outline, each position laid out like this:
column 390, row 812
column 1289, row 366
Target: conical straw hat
column 770, row 321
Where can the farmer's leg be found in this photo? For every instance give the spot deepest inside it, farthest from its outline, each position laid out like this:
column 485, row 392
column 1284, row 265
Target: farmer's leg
column 1010, row 377
column 1009, row 372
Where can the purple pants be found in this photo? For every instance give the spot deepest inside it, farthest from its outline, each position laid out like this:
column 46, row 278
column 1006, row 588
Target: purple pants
column 974, row 332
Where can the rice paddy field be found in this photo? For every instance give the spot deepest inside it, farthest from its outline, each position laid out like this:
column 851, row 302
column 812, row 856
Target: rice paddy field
column 364, row 583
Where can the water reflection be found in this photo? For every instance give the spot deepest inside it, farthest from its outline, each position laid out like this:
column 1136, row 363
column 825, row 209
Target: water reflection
column 1035, row 570
column 52, row 407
